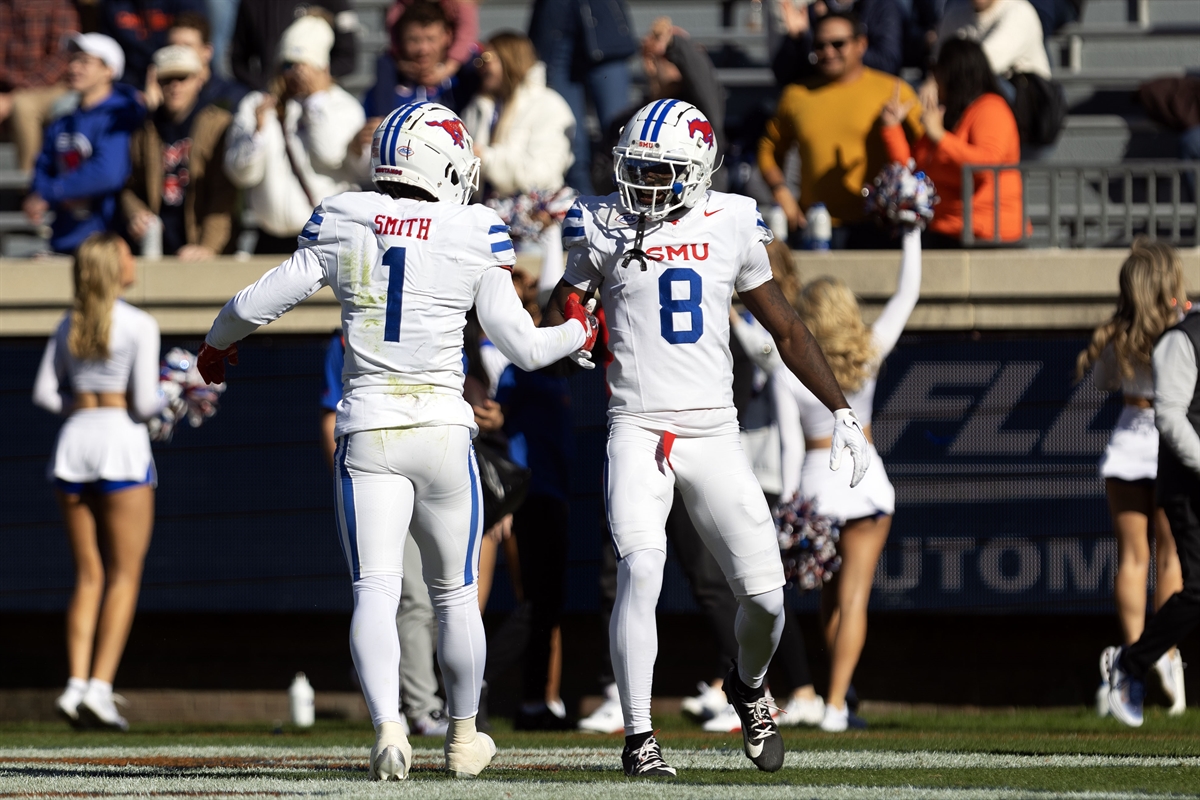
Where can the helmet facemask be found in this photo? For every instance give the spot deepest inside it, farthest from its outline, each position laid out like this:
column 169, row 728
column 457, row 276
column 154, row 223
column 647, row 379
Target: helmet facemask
column 656, row 184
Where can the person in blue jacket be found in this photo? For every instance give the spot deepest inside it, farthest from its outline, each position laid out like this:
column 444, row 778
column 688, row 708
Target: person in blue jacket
column 85, row 154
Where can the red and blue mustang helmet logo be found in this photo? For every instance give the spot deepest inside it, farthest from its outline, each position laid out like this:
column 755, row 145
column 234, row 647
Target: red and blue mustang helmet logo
column 704, row 128
column 455, row 128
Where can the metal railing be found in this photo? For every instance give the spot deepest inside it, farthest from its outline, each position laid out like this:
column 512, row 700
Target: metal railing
column 1089, row 205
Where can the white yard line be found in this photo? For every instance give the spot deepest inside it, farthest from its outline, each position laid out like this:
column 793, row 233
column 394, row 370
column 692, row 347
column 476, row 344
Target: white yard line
column 292, row 758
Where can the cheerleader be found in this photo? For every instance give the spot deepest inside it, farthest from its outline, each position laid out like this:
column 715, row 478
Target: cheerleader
column 1152, row 292
column 854, row 352
column 101, row 371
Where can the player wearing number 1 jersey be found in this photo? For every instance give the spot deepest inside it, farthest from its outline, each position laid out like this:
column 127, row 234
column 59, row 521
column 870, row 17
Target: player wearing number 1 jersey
column 667, row 255
column 406, row 263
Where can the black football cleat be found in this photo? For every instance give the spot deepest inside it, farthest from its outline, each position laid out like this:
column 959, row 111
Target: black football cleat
column 760, row 735
column 645, row 761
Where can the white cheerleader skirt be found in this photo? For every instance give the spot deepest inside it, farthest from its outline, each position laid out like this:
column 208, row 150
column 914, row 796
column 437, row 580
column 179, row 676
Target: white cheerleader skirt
column 102, row 447
column 1132, row 452
column 831, row 491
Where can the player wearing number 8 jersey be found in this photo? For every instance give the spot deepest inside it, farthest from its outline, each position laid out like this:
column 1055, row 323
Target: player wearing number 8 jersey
column 667, row 255
column 406, row 263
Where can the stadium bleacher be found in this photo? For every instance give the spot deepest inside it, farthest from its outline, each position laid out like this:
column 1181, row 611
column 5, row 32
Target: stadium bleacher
column 1100, row 61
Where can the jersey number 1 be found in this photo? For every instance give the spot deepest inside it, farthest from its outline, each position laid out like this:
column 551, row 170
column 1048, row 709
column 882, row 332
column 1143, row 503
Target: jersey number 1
column 393, row 259
column 681, row 319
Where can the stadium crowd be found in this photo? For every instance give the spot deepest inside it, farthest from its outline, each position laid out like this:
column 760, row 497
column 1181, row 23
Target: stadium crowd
column 166, row 118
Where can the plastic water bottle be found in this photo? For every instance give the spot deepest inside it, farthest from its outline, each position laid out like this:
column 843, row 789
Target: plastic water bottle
column 777, row 222
column 301, row 697
column 152, row 240
column 820, row 227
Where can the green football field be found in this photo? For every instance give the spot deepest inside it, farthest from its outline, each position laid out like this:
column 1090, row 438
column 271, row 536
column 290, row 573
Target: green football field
column 958, row 756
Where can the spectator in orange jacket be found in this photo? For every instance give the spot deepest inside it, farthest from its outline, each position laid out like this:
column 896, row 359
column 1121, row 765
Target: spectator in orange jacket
column 967, row 121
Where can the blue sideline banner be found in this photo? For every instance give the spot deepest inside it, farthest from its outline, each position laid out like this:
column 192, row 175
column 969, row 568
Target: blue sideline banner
column 992, row 446
column 990, row 443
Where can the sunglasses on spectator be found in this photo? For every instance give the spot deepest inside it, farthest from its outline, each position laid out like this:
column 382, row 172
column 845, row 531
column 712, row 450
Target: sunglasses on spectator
column 484, row 57
column 836, row 44
column 163, row 81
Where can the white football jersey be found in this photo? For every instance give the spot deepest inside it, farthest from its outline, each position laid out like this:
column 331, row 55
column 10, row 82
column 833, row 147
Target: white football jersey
column 668, row 316
column 405, row 272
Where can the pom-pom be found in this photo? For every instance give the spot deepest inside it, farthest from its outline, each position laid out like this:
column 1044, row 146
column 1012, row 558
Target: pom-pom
column 807, row 543
column 187, row 394
column 528, row 214
column 901, row 195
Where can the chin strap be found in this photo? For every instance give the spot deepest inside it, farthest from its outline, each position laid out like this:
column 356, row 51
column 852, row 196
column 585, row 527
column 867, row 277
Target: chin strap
column 637, row 251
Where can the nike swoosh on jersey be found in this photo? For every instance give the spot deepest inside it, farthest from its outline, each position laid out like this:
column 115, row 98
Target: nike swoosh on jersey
column 710, row 213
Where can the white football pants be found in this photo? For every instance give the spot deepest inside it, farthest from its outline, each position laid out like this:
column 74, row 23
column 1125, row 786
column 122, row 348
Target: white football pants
column 727, row 507
column 424, row 480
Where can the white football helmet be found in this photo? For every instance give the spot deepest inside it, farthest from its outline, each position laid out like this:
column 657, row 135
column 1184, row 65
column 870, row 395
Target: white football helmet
column 426, row 145
column 664, row 159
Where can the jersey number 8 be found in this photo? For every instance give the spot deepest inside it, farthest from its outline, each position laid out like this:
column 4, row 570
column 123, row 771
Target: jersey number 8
column 680, row 316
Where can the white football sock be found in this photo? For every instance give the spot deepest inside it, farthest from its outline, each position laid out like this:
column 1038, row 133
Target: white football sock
column 633, row 634
column 462, row 648
column 758, row 626
column 375, row 646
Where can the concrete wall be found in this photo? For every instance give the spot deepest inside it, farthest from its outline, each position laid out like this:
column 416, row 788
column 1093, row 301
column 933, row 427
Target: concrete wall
column 960, row 289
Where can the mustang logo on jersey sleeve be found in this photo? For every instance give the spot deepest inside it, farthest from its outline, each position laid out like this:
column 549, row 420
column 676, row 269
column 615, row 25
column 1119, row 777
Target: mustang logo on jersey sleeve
column 454, row 127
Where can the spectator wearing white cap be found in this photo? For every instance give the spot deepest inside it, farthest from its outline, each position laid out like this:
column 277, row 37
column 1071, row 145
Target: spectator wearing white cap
column 287, row 147
column 33, row 68
column 177, row 159
column 85, row 154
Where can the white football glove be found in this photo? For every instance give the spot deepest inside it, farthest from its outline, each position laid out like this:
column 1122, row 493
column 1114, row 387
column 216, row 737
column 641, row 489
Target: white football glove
column 584, row 357
column 848, row 435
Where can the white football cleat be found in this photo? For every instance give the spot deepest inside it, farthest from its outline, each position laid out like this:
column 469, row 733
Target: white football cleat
column 1106, row 658
column 1170, row 673
column 557, row 708
column 836, row 720
column 724, row 721
column 468, row 759
column 67, row 703
column 705, row 705
column 98, row 709
column 434, row 724
column 391, row 757
column 801, row 711
column 608, row 718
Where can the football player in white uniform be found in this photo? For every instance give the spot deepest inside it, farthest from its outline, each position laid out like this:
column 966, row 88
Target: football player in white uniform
column 407, row 262
column 666, row 255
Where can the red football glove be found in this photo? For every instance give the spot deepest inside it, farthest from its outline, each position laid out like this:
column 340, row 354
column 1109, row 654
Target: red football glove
column 591, row 327
column 211, row 362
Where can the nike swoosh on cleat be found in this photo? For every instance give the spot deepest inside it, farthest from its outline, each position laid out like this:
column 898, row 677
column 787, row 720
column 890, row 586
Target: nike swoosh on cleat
column 754, row 750
column 710, row 213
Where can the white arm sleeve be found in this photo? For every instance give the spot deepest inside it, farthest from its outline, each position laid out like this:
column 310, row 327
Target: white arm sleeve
column 48, row 391
column 1174, row 385
column 268, row 298
column 145, row 399
column 791, row 436
column 891, row 322
column 511, row 329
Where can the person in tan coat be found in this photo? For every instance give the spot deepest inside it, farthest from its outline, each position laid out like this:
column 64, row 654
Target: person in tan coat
column 177, row 174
